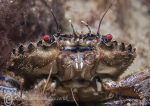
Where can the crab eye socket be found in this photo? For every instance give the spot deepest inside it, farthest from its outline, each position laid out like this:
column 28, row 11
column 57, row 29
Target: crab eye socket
column 106, row 38
column 109, row 37
column 48, row 38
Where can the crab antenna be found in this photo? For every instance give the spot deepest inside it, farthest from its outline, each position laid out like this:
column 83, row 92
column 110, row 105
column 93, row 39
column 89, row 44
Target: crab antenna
column 58, row 30
column 86, row 26
column 72, row 27
column 98, row 31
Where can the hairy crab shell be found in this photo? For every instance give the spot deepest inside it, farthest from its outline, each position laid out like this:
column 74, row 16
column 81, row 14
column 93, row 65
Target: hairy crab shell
column 83, row 63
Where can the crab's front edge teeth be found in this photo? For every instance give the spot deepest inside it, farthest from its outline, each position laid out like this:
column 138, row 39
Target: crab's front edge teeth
column 129, row 48
column 31, row 47
column 122, row 47
column 21, row 49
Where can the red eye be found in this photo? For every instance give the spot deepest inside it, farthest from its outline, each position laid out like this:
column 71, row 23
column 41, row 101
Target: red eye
column 46, row 38
column 109, row 37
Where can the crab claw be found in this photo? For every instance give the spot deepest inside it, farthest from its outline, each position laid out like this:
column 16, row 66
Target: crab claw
column 126, row 87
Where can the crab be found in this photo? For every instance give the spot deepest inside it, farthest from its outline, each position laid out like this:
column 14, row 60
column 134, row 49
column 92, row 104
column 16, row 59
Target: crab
column 85, row 66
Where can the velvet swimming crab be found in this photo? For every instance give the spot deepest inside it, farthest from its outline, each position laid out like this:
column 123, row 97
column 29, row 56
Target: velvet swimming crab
column 83, row 65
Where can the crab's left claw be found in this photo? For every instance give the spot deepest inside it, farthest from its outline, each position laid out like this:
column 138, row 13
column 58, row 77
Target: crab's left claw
column 131, row 86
